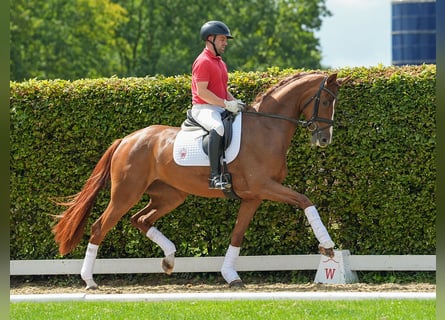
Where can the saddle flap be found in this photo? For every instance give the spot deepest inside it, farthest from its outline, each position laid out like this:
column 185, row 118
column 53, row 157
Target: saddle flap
column 190, row 124
column 227, row 118
column 188, row 146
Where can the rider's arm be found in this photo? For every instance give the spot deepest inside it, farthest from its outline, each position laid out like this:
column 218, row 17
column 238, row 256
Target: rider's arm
column 229, row 96
column 205, row 94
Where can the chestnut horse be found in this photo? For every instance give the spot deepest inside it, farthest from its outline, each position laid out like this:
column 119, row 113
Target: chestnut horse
column 142, row 162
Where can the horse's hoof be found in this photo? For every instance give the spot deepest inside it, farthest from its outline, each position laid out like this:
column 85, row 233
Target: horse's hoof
column 237, row 284
column 328, row 252
column 167, row 266
column 91, row 285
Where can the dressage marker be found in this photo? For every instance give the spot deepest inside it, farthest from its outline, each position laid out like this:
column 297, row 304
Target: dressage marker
column 336, row 270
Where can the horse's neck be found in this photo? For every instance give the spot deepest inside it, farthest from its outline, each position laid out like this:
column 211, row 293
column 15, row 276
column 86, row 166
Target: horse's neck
column 276, row 133
column 285, row 101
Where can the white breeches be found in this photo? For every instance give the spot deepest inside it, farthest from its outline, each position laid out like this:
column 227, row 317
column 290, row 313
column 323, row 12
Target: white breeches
column 209, row 116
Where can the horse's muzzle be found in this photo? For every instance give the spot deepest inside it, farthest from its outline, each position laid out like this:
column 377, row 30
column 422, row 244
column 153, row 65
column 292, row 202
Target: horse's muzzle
column 321, row 139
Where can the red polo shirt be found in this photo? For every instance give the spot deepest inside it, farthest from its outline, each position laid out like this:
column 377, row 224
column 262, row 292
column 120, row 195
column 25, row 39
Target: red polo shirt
column 212, row 69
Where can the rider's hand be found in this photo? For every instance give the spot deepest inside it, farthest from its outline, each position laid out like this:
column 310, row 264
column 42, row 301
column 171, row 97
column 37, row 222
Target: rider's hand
column 241, row 104
column 234, row 106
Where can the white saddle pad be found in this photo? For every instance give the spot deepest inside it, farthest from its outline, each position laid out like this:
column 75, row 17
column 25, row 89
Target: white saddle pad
column 187, row 149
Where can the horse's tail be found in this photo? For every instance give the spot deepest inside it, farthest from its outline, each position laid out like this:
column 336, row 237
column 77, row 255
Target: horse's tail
column 71, row 225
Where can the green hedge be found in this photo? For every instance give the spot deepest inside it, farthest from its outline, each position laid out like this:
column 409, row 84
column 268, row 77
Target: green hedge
column 374, row 186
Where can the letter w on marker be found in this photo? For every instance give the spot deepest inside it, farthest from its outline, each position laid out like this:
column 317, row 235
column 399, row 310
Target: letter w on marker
column 330, row 273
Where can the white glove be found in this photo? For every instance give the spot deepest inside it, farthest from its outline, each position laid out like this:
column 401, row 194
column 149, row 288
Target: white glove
column 234, row 106
column 242, row 104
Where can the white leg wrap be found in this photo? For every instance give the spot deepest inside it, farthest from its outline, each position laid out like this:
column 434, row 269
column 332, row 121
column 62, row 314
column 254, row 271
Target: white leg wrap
column 228, row 268
column 88, row 265
column 157, row 237
column 319, row 229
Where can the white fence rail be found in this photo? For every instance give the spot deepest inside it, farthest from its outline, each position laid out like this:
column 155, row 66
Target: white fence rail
column 213, row 264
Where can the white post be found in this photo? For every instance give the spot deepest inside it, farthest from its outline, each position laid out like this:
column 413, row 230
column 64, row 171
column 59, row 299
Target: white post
column 336, row 270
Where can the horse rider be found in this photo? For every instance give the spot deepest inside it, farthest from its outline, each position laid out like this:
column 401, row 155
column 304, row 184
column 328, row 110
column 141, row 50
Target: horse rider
column 210, row 94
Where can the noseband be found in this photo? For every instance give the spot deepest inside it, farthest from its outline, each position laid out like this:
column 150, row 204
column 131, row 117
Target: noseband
column 311, row 123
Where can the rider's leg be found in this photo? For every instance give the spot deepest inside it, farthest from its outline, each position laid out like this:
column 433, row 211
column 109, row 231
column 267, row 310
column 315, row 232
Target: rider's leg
column 215, row 179
column 209, row 117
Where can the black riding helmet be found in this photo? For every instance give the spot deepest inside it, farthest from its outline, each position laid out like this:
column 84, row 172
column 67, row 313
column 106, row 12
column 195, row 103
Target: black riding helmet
column 214, row 28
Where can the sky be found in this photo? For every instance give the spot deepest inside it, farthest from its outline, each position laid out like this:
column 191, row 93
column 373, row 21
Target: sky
column 357, row 34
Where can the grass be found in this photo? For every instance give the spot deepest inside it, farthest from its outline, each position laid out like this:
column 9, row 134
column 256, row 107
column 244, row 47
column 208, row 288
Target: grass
column 226, row 310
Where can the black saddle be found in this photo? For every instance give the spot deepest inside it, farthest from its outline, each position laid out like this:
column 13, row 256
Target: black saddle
column 227, row 118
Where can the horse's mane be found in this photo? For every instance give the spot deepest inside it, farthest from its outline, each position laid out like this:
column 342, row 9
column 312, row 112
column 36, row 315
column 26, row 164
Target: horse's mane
column 261, row 96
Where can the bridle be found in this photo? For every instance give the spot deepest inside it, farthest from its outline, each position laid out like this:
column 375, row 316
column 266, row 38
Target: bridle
column 311, row 123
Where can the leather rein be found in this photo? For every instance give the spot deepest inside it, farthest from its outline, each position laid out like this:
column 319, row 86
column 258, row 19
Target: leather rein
column 311, row 123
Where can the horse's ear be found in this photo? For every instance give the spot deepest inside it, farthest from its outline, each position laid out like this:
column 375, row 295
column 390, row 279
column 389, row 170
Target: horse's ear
column 342, row 81
column 332, row 78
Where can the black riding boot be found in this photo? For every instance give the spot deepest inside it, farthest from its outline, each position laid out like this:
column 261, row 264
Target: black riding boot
column 215, row 180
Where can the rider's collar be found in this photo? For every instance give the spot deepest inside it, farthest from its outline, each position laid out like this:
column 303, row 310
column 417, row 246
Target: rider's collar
column 210, row 54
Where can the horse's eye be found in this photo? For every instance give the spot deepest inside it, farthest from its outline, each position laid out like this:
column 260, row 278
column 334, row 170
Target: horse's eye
column 325, row 103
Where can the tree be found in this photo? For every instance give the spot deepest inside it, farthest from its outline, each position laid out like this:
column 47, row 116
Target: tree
column 274, row 33
column 164, row 35
column 94, row 38
column 64, row 39
column 23, row 22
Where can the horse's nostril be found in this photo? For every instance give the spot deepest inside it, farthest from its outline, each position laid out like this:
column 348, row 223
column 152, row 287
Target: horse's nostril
column 323, row 142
